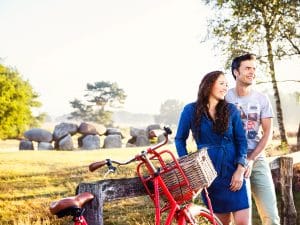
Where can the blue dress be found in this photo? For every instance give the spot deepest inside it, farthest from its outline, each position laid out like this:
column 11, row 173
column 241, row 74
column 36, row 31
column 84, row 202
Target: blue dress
column 225, row 150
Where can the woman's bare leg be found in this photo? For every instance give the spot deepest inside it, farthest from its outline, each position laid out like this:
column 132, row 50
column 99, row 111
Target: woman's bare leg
column 224, row 217
column 241, row 217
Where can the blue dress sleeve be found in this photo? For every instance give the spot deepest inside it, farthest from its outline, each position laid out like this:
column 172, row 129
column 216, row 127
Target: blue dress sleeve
column 183, row 130
column 239, row 137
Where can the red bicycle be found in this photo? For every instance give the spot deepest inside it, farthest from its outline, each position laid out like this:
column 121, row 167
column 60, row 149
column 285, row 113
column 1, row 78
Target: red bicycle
column 170, row 183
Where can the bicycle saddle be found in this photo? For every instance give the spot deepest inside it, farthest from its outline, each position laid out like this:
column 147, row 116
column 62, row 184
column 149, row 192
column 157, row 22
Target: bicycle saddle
column 70, row 205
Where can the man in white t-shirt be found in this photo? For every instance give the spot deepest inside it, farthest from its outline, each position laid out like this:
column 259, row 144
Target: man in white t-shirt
column 257, row 116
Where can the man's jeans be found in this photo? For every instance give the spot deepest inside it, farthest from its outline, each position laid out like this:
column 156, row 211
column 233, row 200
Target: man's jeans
column 263, row 192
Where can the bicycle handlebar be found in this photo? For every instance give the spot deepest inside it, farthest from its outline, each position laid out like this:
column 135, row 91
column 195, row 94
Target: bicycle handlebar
column 96, row 165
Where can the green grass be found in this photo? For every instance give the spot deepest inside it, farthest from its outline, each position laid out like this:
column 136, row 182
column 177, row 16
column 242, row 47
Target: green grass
column 30, row 180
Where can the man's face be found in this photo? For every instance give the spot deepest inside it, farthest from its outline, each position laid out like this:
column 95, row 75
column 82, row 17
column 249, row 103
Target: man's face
column 245, row 74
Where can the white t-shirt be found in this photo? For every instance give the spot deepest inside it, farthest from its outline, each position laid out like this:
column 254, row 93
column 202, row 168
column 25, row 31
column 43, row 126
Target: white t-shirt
column 253, row 108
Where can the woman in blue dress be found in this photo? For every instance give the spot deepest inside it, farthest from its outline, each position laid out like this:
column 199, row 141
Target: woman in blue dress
column 217, row 125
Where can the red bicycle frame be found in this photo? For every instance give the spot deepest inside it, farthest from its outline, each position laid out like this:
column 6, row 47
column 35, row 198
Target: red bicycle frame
column 153, row 175
column 79, row 220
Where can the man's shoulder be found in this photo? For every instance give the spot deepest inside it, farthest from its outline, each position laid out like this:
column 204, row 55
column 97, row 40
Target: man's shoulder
column 230, row 96
column 230, row 92
column 259, row 95
column 255, row 94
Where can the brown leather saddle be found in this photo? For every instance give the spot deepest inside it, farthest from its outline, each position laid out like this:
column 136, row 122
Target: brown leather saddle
column 70, row 206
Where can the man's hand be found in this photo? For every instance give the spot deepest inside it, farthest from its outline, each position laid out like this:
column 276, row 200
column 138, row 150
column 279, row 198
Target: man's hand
column 248, row 170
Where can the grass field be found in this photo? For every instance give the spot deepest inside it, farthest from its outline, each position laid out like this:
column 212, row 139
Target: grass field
column 30, row 180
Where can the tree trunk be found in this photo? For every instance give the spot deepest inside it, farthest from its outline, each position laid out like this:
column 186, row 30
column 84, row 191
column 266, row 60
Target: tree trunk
column 298, row 138
column 275, row 88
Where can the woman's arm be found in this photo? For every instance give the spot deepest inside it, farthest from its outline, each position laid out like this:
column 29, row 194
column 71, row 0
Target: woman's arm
column 183, row 131
column 240, row 141
column 239, row 137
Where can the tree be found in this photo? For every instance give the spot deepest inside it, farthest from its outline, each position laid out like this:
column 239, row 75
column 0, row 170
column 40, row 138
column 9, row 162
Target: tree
column 100, row 97
column 82, row 112
column 17, row 98
column 298, row 133
column 104, row 94
column 269, row 28
column 169, row 112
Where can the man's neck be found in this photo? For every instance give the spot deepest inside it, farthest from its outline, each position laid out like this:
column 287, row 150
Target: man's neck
column 242, row 90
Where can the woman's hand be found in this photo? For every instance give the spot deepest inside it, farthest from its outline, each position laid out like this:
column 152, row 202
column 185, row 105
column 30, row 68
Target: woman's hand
column 237, row 178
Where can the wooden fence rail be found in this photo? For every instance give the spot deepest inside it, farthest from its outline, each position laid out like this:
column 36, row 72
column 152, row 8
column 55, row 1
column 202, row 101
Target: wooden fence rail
column 117, row 189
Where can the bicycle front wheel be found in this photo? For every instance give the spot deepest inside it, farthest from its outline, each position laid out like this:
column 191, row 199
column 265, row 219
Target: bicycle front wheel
column 203, row 216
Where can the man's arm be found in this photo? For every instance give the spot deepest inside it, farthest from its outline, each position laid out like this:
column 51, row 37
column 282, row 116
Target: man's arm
column 267, row 127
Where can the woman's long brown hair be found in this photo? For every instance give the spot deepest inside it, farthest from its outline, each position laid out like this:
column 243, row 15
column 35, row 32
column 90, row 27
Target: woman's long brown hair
column 220, row 124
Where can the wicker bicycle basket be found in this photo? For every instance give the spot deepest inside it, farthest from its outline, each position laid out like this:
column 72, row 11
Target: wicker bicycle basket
column 199, row 171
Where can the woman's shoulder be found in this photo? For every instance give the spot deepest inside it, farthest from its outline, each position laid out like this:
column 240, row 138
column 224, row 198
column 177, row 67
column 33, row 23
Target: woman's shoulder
column 189, row 109
column 232, row 108
column 231, row 105
column 190, row 106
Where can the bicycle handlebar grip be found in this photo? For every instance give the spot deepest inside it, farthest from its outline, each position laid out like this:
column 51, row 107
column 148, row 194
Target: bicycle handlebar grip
column 168, row 130
column 96, row 165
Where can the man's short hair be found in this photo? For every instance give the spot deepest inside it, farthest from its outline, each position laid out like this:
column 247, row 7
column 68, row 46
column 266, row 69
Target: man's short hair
column 236, row 62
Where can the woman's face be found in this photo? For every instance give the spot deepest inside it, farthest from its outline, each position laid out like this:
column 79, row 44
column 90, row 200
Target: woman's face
column 219, row 88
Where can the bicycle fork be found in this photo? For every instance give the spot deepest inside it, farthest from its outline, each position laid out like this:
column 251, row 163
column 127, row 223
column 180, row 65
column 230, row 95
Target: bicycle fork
column 185, row 216
column 210, row 207
column 189, row 213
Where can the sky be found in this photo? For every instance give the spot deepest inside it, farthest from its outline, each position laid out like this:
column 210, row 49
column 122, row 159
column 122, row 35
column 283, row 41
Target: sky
column 152, row 49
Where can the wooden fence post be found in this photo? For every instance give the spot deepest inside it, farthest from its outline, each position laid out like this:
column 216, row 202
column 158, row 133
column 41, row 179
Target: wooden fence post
column 108, row 190
column 288, row 213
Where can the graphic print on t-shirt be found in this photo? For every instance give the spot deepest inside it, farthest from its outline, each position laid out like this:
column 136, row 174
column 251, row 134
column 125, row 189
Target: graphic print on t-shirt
column 250, row 118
